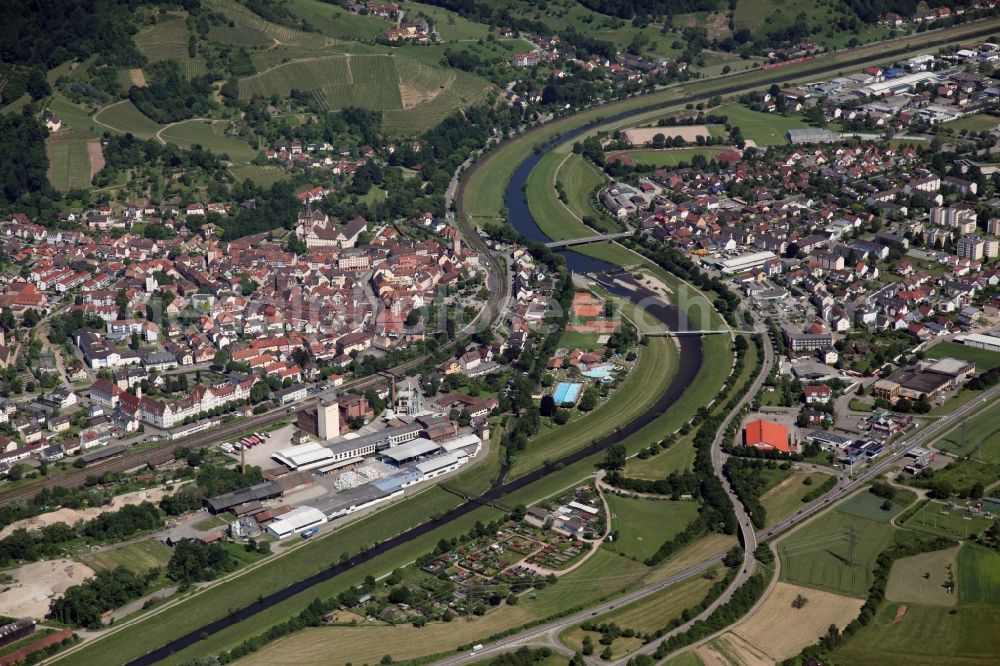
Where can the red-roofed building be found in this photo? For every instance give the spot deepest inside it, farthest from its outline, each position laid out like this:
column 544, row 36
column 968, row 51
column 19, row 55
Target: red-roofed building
column 814, row 394
column 767, row 435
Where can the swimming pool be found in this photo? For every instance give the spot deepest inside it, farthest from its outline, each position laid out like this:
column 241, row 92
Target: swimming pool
column 600, row 372
column 566, row 392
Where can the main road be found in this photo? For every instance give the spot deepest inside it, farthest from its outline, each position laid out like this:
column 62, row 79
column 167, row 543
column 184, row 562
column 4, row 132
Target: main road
column 546, row 635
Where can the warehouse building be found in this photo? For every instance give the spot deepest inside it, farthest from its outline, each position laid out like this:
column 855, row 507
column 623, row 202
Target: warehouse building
column 356, row 499
column 742, row 263
column 258, row 493
column 295, row 521
column 980, row 341
column 410, row 451
column 439, row 465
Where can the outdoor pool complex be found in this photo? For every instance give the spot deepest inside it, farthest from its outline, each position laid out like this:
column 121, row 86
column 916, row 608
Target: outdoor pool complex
column 600, row 372
column 566, row 392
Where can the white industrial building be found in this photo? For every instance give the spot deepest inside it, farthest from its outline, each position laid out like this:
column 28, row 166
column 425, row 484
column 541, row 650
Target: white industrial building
column 744, row 262
column 410, row 451
column 295, row 521
column 439, row 465
column 980, row 341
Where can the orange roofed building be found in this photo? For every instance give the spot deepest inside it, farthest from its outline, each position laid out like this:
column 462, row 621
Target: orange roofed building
column 763, row 434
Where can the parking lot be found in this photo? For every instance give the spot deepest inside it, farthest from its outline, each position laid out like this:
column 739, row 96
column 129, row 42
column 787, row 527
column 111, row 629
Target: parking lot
column 260, row 455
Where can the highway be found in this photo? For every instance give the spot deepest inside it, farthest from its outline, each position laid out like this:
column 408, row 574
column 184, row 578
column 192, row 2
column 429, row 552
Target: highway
column 546, row 635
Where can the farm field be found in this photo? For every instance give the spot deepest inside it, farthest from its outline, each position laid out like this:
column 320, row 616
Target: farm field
column 925, row 636
column 74, row 117
column 684, row 659
column 69, row 160
column 868, row 505
column 210, row 135
column 921, row 579
column 579, row 178
column 978, row 436
column 140, row 556
column 464, row 91
column 335, row 21
column 785, row 499
column 644, row 524
column 983, row 358
column 937, row 518
column 279, row 34
column 817, row 554
column 780, row 631
column 978, row 575
column 124, row 117
column 764, row 129
column 451, row 26
column 168, row 40
column 265, row 176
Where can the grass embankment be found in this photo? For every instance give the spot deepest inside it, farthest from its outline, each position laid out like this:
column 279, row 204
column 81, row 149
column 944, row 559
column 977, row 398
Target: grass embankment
column 786, row 498
column 680, row 455
column 579, row 178
column 645, row 616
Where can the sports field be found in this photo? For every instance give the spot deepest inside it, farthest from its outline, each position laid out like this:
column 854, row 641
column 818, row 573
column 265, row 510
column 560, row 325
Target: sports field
column 69, row 160
column 818, row 555
column 785, row 499
column 922, row 579
column 210, row 135
column 575, row 339
column 983, row 358
column 978, row 575
column 644, row 524
column 781, row 631
column 140, row 556
column 764, row 129
column 978, row 122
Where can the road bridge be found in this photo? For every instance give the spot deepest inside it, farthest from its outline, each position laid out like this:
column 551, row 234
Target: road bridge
column 587, row 239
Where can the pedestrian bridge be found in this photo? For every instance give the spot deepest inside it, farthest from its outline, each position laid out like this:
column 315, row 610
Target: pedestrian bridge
column 587, row 239
column 685, row 334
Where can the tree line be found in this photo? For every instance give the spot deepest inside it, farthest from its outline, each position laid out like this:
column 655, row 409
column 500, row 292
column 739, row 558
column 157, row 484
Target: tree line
column 51, row 540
